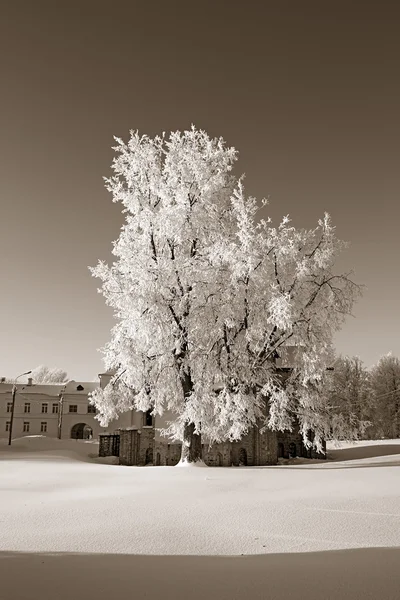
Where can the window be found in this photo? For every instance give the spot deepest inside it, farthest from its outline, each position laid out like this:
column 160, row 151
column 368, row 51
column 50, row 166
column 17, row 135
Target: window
column 26, row 427
column 27, row 408
column 9, row 406
column 91, row 409
column 44, row 407
column 8, row 425
column 55, row 408
column 43, row 427
column 148, row 419
column 80, row 388
column 73, row 408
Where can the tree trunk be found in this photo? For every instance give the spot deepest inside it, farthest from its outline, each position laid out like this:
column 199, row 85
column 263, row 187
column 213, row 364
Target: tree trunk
column 191, row 445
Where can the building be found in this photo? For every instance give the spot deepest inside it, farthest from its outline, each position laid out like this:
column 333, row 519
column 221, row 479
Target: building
column 64, row 411
column 53, row 410
column 139, row 443
column 140, row 446
column 59, row 411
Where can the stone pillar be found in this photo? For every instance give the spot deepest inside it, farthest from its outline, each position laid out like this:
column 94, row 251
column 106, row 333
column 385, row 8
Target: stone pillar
column 146, row 446
column 268, row 447
column 129, row 447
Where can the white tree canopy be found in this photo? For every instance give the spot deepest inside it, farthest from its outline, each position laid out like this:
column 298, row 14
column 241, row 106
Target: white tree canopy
column 43, row 374
column 207, row 294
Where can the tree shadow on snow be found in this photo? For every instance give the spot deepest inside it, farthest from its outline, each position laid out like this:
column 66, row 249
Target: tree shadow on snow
column 337, row 459
column 359, row 574
column 332, row 465
column 360, row 452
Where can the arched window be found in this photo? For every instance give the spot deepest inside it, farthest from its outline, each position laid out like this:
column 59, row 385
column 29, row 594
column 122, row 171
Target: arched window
column 292, row 450
column 149, row 456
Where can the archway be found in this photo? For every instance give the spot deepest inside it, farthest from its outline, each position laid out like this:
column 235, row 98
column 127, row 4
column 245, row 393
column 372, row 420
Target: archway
column 243, row 457
column 292, row 450
column 81, row 431
column 281, row 450
column 149, row 456
column 219, row 459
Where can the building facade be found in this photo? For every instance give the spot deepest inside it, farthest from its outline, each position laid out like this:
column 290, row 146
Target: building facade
column 143, row 446
column 55, row 410
column 139, row 443
column 59, row 411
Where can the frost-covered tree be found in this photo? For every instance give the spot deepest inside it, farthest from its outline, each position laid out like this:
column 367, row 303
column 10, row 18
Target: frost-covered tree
column 43, row 374
column 283, row 295
column 351, row 393
column 176, row 196
column 207, row 295
column 385, row 388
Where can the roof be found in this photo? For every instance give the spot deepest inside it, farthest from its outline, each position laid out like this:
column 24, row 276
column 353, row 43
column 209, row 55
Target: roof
column 40, row 389
column 74, row 387
column 52, row 389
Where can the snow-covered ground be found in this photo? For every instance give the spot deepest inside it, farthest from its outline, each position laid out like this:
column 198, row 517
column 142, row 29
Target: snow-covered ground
column 72, row 526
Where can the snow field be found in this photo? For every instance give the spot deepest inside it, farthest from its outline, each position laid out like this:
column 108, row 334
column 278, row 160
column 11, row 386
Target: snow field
column 59, row 504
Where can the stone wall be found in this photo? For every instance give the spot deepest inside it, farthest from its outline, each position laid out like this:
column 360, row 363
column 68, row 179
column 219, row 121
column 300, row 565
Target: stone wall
column 146, row 446
column 167, row 455
column 217, row 455
column 290, row 445
column 268, row 448
column 128, row 447
column 136, row 446
column 252, row 449
column 139, row 447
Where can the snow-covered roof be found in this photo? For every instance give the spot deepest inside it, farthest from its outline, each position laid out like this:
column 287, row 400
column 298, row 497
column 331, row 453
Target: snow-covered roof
column 80, row 387
column 42, row 389
column 52, row 389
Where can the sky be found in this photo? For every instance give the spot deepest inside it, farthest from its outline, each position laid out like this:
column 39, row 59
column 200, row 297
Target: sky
column 308, row 93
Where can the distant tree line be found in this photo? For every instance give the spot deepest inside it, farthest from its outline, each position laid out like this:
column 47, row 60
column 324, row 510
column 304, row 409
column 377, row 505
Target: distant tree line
column 368, row 395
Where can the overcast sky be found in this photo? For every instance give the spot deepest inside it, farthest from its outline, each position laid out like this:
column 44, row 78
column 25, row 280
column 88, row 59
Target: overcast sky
column 308, row 92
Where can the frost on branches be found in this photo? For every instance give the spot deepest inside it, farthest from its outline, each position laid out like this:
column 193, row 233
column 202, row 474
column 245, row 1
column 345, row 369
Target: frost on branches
column 385, row 392
column 351, row 396
column 207, row 295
